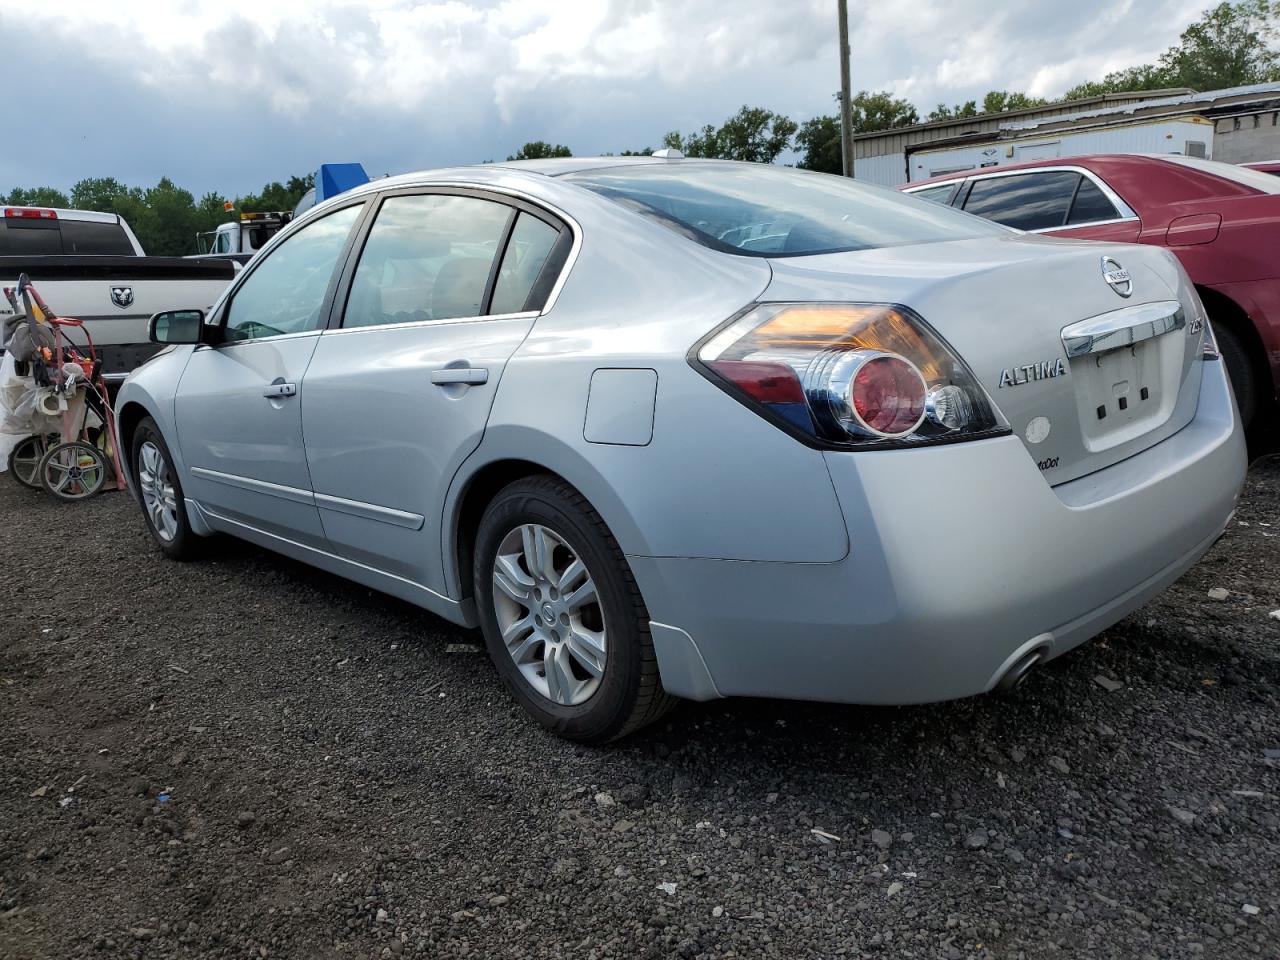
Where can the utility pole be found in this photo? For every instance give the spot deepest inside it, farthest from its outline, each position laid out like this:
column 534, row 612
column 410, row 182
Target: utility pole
column 846, row 113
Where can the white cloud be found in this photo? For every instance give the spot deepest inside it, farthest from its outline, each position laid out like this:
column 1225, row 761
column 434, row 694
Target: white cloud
column 403, row 84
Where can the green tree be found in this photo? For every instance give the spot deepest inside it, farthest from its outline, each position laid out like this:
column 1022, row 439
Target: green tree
column 1143, row 77
column 36, row 197
column 818, row 139
column 880, row 110
column 540, row 150
column 752, row 134
column 97, row 193
column 1000, row 101
column 1231, row 45
column 960, row 111
column 170, row 222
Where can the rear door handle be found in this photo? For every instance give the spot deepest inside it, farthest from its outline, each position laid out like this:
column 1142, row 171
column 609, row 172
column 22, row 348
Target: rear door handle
column 471, row 375
column 280, row 389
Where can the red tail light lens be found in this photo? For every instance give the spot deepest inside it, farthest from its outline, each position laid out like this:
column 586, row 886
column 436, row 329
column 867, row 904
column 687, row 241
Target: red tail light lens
column 848, row 375
column 887, row 395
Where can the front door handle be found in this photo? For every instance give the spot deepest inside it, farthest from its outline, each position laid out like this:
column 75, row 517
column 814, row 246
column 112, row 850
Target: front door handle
column 278, row 388
column 470, row 375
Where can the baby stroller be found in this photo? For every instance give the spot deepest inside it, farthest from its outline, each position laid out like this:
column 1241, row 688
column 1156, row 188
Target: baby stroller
column 54, row 393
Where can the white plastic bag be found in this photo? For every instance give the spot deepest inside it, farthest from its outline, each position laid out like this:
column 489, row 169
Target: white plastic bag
column 18, row 413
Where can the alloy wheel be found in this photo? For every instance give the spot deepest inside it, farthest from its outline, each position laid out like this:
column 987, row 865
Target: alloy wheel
column 549, row 614
column 158, row 496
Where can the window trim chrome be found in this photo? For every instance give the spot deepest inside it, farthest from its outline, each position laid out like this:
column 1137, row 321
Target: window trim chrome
column 1127, row 212
column 499, row 191
column 522, row 315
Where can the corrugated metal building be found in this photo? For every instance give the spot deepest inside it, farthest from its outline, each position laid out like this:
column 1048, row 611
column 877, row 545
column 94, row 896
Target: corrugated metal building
column 1237, row 125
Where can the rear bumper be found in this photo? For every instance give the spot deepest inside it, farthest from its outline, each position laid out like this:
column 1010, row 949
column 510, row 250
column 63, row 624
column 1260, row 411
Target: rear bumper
column 962, row 560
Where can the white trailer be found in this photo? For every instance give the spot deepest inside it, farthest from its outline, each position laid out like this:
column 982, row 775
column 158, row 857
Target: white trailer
column 1189, row 136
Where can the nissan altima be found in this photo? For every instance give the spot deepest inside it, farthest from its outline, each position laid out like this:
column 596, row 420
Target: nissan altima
column 667, row 428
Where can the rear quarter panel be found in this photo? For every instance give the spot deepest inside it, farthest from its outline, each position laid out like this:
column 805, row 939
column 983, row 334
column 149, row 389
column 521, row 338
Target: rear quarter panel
column 715, row 480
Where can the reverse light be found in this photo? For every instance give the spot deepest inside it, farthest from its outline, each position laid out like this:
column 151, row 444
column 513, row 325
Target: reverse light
column 848, row 375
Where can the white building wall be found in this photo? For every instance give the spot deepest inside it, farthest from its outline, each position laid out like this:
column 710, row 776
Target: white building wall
column 888, row 170
column 1248, row 139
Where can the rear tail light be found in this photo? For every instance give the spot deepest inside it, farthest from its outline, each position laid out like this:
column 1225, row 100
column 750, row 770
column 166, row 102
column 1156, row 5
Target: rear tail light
column 848, row 375
column 30, row 213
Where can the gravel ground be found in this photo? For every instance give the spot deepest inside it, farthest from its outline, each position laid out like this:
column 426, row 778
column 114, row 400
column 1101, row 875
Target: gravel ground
column 243, row 757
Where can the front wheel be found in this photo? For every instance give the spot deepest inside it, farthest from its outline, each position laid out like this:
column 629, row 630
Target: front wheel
column 562, row 616
column 160, row 492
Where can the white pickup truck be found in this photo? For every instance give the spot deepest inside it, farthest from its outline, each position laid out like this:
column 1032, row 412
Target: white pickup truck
column 90, row 266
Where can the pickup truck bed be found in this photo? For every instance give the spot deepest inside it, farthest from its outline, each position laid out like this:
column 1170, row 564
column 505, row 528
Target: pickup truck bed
column 115, row 296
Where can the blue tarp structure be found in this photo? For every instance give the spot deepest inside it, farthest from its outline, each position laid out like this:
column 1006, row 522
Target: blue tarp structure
column 335, row 178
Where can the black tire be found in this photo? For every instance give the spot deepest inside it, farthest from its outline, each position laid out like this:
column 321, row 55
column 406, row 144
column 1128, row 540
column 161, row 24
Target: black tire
column 629, row 694
column 73, row 471
column 24, row 460
column 1244, row 381
column 185, row 544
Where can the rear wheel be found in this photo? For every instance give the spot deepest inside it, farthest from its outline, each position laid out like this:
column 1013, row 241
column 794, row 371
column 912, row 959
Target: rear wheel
column 562, row 616
column 1244, row 381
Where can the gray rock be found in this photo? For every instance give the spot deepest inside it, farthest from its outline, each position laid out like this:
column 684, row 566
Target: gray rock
column 1059, row 764
column 881, row 839
column 976, row 839
column 1184, row 817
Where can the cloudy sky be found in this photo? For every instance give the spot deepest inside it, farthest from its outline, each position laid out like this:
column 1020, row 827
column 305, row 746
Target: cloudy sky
column 227, row 94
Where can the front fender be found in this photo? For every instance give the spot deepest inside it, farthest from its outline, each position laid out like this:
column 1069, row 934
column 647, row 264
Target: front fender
column 154, row 387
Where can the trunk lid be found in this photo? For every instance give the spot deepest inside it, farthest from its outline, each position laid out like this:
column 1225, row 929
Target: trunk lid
column 1085, row 375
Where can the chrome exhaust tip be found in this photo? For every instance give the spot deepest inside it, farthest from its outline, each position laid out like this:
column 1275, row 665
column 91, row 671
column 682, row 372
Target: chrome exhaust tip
column 1015, row 675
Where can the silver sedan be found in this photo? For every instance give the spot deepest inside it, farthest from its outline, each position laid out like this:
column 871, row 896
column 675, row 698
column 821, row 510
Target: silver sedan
column 671, row 428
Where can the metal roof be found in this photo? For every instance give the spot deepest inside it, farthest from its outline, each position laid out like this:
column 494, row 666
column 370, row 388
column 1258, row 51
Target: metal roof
column 1212, row 98
column 1060, row 106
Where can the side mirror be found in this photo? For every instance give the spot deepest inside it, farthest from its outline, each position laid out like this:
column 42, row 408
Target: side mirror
column 175, row 326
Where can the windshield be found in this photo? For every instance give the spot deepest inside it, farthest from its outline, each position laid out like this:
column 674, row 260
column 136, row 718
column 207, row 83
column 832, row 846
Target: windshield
column 767, row 211
column 1253, row 179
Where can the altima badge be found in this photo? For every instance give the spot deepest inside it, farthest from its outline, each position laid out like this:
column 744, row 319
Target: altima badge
column 1117, row 277
column 1017, row 376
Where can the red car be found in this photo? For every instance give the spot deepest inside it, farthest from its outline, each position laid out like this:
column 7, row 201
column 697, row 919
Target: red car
column 1221, row 220
column 1266, row 166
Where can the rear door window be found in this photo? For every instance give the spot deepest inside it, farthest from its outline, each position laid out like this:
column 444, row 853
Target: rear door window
column 940, row 194
column 428, row 257
column 95, row 238
column 1091, row 205
column 526, row 258
column 1027, row 201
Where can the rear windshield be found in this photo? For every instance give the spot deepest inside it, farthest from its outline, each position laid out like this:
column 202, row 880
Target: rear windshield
column 23, row 237
column 1245, row 176
column 767, row 211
